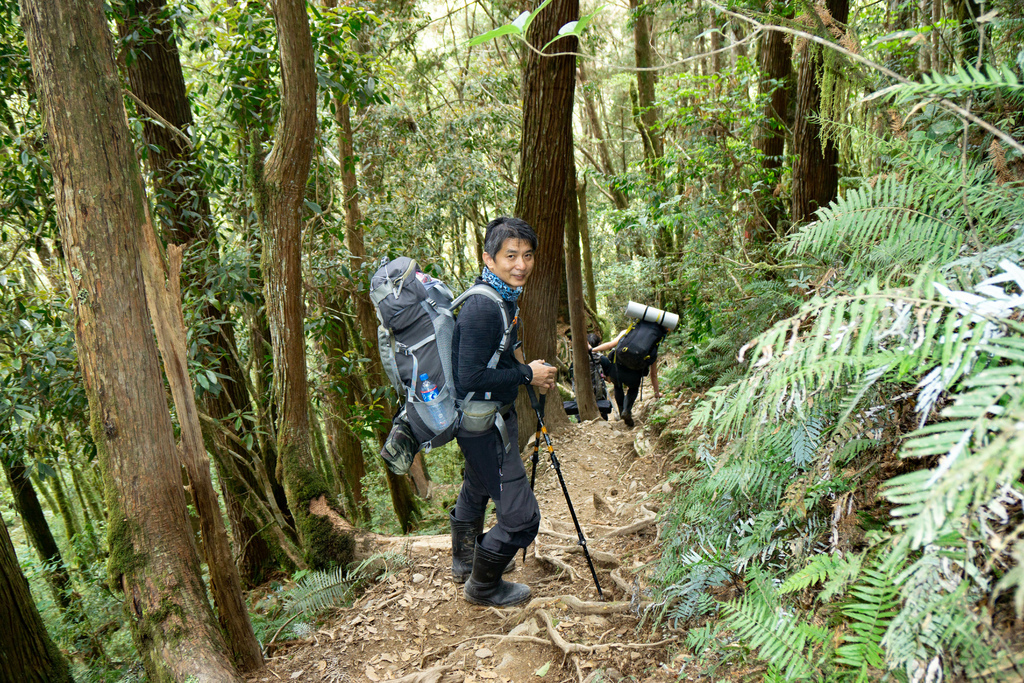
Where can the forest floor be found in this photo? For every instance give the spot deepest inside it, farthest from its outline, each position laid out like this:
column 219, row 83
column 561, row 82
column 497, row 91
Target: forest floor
column 415, row 626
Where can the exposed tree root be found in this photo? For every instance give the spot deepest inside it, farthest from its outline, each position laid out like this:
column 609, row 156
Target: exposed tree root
column 552, row 561
column 599, row 556
column 648, row 520
column 621, row 582
column 431, row 675
column 574, row 648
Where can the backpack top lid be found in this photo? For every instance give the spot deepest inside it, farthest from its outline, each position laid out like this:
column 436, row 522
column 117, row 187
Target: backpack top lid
column 397, row 292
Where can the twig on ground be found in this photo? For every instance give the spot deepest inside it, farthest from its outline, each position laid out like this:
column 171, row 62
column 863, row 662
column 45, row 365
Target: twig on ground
column 278, row 632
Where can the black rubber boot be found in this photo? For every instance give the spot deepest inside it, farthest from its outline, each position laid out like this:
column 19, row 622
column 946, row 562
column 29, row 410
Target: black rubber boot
column 486, row 587
column 463, row 540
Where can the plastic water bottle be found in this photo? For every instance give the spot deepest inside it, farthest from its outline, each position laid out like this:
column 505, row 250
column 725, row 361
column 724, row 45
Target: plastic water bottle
column 435, row 411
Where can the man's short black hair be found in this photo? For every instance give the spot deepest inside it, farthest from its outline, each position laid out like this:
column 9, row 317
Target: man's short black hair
column 506, row 227
column 594, row 339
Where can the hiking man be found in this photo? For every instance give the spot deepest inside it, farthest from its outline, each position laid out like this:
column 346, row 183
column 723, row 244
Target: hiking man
column 489, row 435
column 626, row 381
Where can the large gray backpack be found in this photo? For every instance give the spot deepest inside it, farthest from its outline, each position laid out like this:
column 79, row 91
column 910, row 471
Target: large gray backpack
column 417, row 320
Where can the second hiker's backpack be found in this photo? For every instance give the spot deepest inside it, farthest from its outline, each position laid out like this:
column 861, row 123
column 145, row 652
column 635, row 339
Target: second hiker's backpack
column 637, row 348
column 417, row 321
column 597, row 377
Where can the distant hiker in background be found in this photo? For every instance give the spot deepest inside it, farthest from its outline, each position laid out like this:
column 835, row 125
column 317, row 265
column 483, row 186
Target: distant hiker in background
column 597, row 379
column 627, row 370
column 489, row 435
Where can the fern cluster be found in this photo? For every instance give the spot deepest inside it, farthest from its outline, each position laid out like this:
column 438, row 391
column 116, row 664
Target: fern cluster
column 321, row 590
column 915, row 348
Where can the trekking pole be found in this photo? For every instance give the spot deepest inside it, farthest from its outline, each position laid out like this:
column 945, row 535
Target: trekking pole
column 536, row 454
column 561, row 480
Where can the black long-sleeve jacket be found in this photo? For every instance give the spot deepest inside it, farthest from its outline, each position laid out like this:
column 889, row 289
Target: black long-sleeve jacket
column 478, row 331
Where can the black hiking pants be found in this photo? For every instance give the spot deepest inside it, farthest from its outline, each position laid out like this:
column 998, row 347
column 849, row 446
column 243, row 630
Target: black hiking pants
column 492, row 473
column 626, row 383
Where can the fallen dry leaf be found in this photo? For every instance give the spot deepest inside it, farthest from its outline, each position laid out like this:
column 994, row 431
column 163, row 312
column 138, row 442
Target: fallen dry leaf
column 371, row 674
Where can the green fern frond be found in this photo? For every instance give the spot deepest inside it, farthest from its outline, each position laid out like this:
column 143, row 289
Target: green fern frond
column 317, row 591
column 958, row 82
column 874, row 602
column 780, row 638
column 816, row 571
column 320, row 590
column 980, row 444
column 905, row 216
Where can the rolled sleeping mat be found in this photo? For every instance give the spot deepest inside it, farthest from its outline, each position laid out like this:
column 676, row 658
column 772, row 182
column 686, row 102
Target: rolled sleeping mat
column 652, row 314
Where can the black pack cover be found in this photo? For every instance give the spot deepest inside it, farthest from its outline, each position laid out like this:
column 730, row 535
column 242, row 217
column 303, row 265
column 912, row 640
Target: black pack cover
column 638, row 347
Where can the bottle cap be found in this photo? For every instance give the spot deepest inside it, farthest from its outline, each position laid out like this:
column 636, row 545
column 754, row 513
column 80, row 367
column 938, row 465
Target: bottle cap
column 423, row 376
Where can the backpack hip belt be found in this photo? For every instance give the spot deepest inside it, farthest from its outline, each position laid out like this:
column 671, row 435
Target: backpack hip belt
column 479, row 416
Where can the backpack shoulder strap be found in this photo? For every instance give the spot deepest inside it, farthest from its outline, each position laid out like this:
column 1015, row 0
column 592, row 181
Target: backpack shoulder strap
column 488, row 291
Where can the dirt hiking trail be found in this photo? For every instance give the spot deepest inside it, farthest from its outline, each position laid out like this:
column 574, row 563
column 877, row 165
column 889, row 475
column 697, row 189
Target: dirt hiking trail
column 415, row 626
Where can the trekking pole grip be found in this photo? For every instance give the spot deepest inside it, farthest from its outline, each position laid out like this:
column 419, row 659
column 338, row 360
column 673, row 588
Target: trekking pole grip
column 533, row 398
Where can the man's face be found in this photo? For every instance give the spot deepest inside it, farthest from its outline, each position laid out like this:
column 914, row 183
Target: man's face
column 513, row 263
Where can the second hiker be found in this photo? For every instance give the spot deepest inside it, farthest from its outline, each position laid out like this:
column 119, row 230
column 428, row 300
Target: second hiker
column 489, row 435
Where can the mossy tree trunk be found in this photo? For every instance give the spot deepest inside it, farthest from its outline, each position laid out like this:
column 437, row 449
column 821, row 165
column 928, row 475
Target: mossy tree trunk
column 164, row 299
column 588, row 257
column 29, row 655
column 100, row 207
column 280, row 190
column 776, row 65
column 38, row 531
column 184, row 215
column 816, row 168
column 546, row 164
column 402, row 493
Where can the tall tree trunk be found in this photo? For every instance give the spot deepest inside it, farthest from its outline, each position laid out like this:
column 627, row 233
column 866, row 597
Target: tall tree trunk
column 342, row 442
column 280, row 191
column 100, row 202
column 38, row 531
column 545, row 167
column 164, row 299
column 716, row 43
column 29, row 656
column 776, row 65
column 586, row 402
column 402, row 494
column 646, row 79
column 67, row 516
column 815, row 170
column 967, row 13
column 157, row 82
column 588, row 257
column 588, row 91
column 646, row 114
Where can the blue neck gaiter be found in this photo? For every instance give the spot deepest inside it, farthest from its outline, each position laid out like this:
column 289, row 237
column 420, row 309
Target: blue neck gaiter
column 507, row 291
